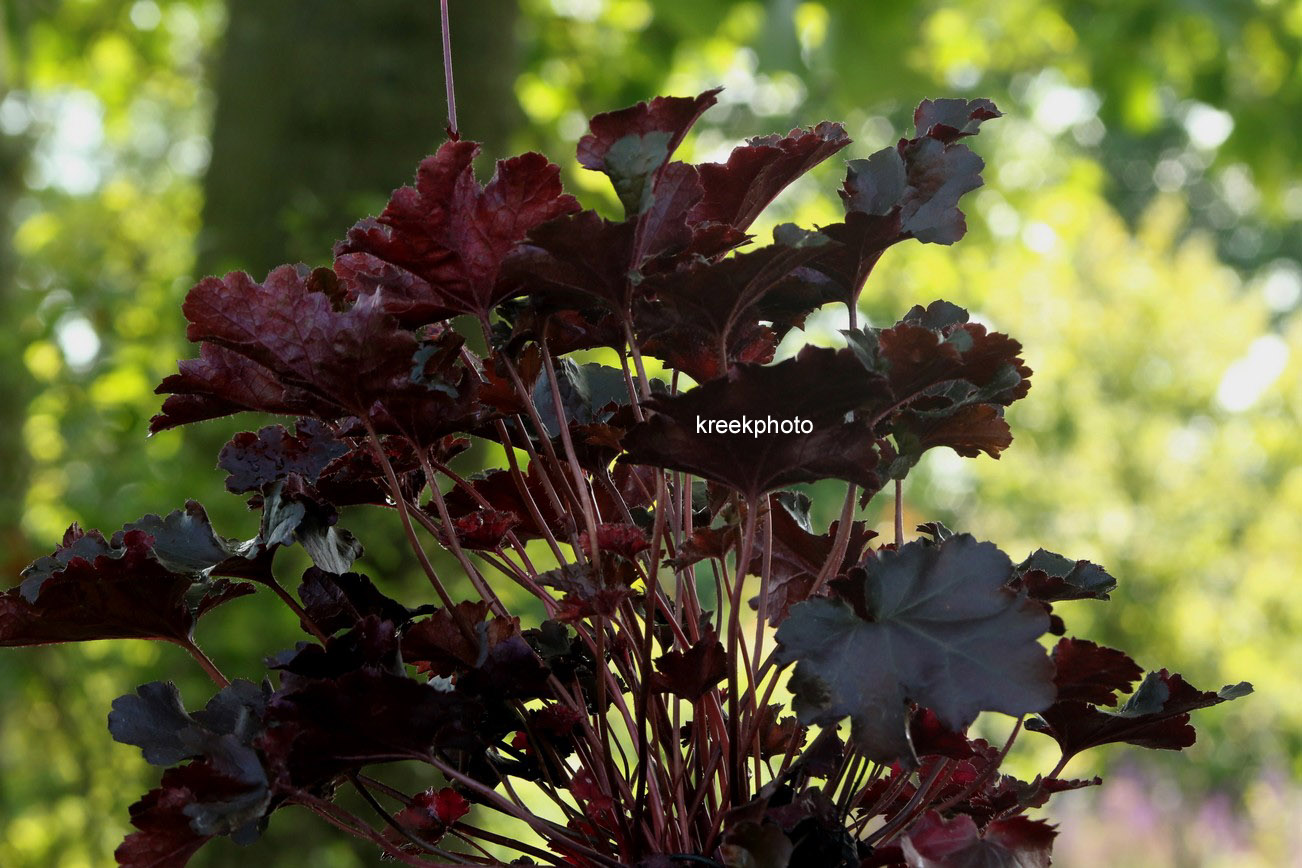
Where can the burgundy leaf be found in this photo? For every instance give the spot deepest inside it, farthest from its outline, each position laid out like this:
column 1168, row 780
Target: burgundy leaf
column 166, row 836
column 632, row 146
column 949, row 382
column 931, row 737
column 592, row 799
column 348, row 358
column 1087, row 672
column 1155, row 716
column 705, row 543
column 588, row 592
column 437, row 645
column 577, row 261
column 950, row 119
column 359, row 477
column 703, row 318
column 349, row 704
column 1018, row 842
column 123, row 592
column 819, row 387
column 77, row 543
column 338, row 601
column 798, row 557
column 625, row 540
column 584, row 324
column 777, row 733
column 499, row 489
column 429, row 815
column 736, row 192
column 355, row 361
column 483, row 529
column 254, row 460
column 1003, row 793
column 666, row 228
column 221, row 383
column 694, row 672
column 677, row 338
column 1051, row 577
column 451, row 235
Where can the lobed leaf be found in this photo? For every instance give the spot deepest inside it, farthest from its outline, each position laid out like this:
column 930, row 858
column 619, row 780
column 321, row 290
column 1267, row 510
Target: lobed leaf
column 819, row 385
column 799, row 555
column 944, row 632
column 1086, row 672
column 1051, row 577
column 632, row 146
column 738, row 191
column 1018, row 842
column 438, row 248
column 123, row 592
column 1155, row 716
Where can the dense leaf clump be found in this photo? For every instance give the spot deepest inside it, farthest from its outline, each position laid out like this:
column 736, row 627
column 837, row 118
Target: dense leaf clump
column 669, row 539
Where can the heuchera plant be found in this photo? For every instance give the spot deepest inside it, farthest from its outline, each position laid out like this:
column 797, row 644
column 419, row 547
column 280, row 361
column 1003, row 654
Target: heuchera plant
column 644, row 713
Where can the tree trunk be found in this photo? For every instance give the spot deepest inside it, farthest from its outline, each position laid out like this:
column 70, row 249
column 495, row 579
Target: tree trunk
column 324, row 106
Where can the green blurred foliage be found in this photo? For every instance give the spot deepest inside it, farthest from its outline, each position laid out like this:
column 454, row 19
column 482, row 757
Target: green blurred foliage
column 1138, row 233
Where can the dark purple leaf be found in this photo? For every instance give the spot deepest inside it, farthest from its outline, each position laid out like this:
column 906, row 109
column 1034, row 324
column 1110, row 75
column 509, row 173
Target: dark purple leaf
column 153, row 719
column 337, row 601
column 819, row 387
column 945, row 633
column 292, row 512
column 350, row 704
column 184, row 541
column 754, row 845
column 910, row 190
column 224, row 792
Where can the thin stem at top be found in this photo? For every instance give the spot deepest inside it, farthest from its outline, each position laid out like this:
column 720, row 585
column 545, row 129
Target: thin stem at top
column 447, row 67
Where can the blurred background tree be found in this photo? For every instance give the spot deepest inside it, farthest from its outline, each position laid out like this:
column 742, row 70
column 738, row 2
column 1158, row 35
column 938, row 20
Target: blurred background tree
column 1138, row 233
